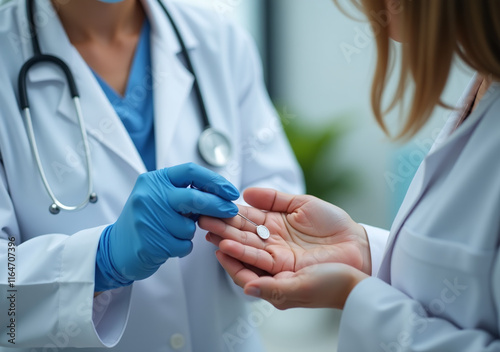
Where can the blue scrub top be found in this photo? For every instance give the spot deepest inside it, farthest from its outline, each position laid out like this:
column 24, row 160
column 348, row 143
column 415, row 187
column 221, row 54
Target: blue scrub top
column 135, row 108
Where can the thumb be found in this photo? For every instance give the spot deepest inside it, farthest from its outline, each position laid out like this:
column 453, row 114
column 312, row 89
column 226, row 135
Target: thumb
column 203, row 179
column 268, row 199
column 281, row 291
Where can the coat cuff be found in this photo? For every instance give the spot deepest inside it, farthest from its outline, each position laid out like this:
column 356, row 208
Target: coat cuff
column 358, row 317
column 377, row 239
column 102, row 320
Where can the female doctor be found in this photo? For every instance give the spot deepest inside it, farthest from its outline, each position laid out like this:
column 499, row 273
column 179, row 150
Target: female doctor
column 437, row 286
column 141, row 112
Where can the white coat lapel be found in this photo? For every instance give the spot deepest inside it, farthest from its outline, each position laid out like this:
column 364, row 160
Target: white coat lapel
column 172, row 82
column 102, row 122
column 430, row 166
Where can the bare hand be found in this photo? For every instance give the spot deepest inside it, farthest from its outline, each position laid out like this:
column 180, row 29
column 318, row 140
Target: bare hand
column 304, row 231
column 317, row 286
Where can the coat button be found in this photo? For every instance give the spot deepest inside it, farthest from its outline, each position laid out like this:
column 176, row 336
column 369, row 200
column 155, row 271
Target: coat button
column 177, row 341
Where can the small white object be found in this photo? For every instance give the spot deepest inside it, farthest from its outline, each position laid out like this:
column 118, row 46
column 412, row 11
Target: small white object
column 177, row 341
column 263, row 232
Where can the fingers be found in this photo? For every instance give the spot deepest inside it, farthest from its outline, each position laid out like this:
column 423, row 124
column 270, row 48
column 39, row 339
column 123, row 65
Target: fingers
column 181, row 249
column 193, row 201
column 237, row 222
column 249, row 255
column 213, row 238
column 238, row 272
column 229, row 229
column 318, row 286
column 258, row 258
column 283, row 291
column 268, row 199
column 178, row 226
column 203, row 179
column 255, row 215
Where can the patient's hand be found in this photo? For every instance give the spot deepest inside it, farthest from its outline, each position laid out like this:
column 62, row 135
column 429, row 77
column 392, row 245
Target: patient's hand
column 304, row 231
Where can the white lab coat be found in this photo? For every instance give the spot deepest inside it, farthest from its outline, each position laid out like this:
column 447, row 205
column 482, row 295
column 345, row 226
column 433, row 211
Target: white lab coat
column 190, row 304
column 438, row 286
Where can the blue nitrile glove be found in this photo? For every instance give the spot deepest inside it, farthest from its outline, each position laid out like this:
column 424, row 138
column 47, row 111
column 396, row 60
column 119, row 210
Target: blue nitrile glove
column 154, row 224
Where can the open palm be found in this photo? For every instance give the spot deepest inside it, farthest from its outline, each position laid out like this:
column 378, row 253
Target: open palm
column 304, row 231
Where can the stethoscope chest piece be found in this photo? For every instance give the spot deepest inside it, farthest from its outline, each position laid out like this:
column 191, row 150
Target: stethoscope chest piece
column 214, row 147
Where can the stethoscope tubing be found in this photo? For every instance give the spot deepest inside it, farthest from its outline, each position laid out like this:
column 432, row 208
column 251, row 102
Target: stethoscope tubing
column 216, row 156
column 39, row 58
column 58, row 205
column 190, row 67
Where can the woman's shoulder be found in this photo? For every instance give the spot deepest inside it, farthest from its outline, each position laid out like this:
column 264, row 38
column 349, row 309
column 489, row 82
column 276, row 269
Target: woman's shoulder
column 489, row 124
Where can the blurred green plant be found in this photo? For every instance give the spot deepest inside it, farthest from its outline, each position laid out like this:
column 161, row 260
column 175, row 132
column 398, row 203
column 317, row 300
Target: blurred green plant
column 315, row 148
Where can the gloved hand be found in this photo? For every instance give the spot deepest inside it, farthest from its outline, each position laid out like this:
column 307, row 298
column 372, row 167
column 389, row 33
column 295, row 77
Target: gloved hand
column 154, row 224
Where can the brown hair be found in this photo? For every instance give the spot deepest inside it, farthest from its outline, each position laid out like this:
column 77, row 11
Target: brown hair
column 434, row 33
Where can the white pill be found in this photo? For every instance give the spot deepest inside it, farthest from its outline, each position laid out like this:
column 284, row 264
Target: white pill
column 263, row 232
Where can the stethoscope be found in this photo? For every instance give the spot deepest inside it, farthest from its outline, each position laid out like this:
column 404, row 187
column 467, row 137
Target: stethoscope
column 214, row 146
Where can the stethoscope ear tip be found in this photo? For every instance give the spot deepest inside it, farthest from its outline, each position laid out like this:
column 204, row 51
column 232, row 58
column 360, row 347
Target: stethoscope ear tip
column 93, row 198
column 54, row 209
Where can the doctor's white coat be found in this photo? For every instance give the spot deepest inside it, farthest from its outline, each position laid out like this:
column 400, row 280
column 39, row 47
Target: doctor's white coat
column 190, row 304
column 438, row 285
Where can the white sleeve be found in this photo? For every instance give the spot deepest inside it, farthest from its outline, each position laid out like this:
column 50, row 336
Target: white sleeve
column 47, row 288
column 378, row 239
column 378, row 317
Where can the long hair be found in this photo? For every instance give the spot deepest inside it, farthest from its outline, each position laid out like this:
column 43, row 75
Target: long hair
column 434, row 33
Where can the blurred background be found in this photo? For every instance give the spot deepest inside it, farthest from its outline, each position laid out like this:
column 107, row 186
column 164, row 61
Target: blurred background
column 318, row 65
